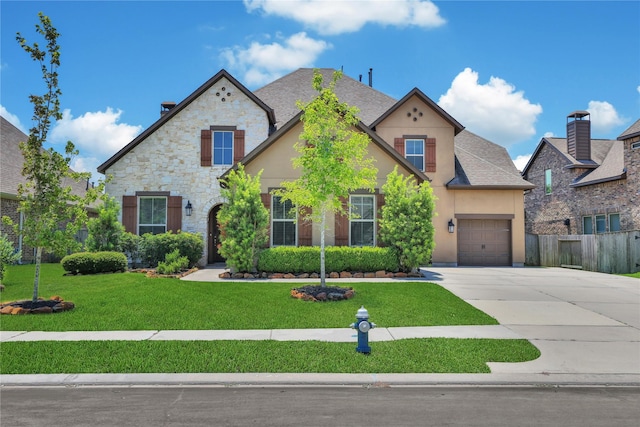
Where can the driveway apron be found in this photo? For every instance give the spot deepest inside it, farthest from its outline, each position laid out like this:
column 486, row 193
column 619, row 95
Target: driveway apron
column 582, row 322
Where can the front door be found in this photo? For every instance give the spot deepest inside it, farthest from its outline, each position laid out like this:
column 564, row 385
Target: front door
column 214, row 237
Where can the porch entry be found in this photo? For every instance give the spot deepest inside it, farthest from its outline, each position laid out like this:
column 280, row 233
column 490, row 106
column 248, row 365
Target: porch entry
column 213, row 239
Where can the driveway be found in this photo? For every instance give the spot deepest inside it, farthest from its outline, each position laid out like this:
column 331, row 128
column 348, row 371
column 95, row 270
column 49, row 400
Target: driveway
column 584, row 323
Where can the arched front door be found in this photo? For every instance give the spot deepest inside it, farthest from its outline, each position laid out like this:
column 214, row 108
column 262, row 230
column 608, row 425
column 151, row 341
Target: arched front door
column 214, row 237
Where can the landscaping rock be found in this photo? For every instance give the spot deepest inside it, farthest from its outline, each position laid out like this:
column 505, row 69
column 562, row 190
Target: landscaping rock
column 381, row 274
column 369, row 275
column 225, row 275
column 334, row 275
column 358, row 275
column 314, row 276
column 346, row 275
column 319, row 293
column 288, row 276
column 400, row 274
column 303, row 276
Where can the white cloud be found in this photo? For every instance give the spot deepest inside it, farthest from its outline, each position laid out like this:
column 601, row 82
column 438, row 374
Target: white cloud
column 13, row 119
column 94, row 134
column 338, row 17
column 521, row 161
column 548, row 135
column 604, row 116
column 638, row 88
column 493, row 110
column 263, row 63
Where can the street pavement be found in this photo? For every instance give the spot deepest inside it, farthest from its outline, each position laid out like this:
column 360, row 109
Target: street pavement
column 586, row 325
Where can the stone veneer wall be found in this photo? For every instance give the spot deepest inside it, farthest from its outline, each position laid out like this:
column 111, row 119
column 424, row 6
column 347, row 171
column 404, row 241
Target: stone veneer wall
column 169, row 159
column 545, row 214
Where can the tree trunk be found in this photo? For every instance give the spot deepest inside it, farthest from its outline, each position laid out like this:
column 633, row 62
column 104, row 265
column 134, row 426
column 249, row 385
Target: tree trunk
column 36, row 280
column 322, row 268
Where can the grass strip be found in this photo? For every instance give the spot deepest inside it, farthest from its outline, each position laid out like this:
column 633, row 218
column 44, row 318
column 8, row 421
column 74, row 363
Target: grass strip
column 438, row 355
column 132, row 301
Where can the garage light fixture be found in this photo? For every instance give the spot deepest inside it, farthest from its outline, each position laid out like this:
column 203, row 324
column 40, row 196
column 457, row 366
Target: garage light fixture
column 451, row 225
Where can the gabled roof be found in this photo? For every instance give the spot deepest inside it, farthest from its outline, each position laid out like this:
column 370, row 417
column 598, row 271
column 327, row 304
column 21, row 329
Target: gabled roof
column 282, row 94
column 632, row 131
column 606, row 164
column 420, row 176
column 481, row 164
column 11, row 162
column 424, row 98
column 179, row 107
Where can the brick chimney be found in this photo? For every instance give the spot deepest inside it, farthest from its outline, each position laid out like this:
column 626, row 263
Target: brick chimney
column 579, row 135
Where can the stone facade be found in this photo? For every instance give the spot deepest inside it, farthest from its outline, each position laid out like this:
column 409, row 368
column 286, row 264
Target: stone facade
column 547, row 213
column 169, row 159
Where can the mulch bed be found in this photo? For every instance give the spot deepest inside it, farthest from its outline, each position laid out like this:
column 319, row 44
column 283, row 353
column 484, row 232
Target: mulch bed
column 322, row 293
column 41, row 306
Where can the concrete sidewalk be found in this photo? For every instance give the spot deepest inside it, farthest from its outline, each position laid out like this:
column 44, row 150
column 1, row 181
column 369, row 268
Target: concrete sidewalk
column 586, row 325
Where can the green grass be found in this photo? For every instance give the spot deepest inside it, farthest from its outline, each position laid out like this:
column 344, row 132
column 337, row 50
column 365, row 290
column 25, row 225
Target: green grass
column 635, row 275
column 132, row 301
column 411, row 355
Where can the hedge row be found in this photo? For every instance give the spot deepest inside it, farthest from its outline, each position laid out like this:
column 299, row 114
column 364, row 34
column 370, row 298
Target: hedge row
column 286, row 259
column 94, row 262
column 154, row 248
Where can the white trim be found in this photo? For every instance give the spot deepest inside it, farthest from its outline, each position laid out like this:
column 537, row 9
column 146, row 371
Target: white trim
column 283, row 220
column 213, row 139
column 366, row 220
column 166, row 213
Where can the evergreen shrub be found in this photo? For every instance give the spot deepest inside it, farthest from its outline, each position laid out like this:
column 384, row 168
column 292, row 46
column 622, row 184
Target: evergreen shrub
column 306, row 259
column 94, row 262
column 154, row 248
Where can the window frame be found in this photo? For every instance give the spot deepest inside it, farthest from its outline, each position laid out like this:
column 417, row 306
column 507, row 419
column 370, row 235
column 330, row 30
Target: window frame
column 548, row 182
column 586, row 218
column 276, row 202
column 619, row 227
column 353, row 220
column 409, row 157
column 635, row 145
column 602, row 220
column 140, row 224
column 224, row 150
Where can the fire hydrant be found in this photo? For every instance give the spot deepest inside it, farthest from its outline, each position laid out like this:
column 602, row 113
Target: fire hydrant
column 363, row 325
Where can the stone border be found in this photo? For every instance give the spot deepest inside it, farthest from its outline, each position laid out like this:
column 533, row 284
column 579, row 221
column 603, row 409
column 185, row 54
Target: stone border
column 382, row 274
column 57, row 305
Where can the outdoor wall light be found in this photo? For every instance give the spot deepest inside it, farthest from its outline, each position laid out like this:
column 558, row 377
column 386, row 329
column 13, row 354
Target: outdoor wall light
column 189, row 208
column 451, row 225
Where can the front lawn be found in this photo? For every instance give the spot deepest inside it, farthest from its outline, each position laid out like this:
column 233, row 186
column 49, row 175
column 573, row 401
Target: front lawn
column 634, row 275
column 132, row 301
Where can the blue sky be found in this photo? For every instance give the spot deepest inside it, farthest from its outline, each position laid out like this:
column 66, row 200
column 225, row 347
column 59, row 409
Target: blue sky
column 509, row 71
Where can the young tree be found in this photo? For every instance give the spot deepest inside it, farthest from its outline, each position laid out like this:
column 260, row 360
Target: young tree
column 52, row 213
column 105, row 231
column 243, row 220
column 406, row 224
column 332, row 159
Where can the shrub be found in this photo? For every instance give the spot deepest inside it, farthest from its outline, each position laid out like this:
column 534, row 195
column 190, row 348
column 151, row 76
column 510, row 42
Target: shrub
column 285, row 259
column 105, row 231
column 130, row 245
column 173, row 263
column 8, row 255
column 154, row 248
column 94, row 262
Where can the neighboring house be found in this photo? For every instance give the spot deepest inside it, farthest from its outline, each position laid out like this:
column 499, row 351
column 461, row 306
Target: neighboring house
column 584, row 185
column 11, row 161
column 167, row 177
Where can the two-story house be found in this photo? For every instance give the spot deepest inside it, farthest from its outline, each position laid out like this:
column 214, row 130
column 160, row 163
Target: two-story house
column 584, row 185
column 167, row 178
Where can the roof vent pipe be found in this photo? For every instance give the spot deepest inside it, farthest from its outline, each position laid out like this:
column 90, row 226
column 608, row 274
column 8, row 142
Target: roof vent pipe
column 370, row 77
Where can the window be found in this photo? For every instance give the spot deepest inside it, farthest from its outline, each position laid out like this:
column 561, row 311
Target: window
column 414, row 152
column 587, row 225
column 635, row 145
column 362, row 226
column 601, row 224
column 547, row 181
column 614, row 222
column 222, row 148
column 283, row 223
column 152, row 215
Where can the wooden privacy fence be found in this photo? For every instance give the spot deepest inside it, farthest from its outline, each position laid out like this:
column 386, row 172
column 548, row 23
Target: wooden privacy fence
column 616, row 253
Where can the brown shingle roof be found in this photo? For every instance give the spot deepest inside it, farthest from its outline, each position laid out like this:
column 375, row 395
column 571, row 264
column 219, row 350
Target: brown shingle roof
column 11, row 161
column 282, row 95
column 483, row 164
column 631, row 131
